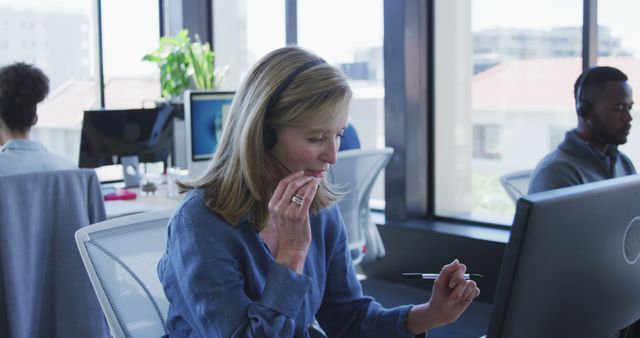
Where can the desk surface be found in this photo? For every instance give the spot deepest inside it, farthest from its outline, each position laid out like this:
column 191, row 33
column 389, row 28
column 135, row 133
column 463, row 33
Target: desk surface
column 143, row 202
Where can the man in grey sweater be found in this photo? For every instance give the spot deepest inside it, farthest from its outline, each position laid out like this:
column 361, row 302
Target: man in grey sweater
column 589, row 153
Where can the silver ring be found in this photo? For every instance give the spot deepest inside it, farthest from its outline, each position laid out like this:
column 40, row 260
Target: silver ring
column 297, row 199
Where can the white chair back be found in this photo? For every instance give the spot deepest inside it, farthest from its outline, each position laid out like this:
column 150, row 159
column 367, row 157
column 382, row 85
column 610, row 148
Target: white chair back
column 356, row 171
column 121, row 256
column 516, row 184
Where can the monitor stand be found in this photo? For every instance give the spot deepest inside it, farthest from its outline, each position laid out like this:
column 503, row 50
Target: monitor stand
column 130, row 171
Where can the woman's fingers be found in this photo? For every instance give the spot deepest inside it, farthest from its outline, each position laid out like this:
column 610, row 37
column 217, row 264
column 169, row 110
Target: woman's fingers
column 283, row 184
column 308, row 192
column 471, row 291
column 295, row 187
column 457, row 293
column 458, row 276
column 444, row 279
column 287, row 187
column 453, row 286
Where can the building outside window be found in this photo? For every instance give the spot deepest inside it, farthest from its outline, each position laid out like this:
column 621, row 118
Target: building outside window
column 130, row 29
column 57, row 37
column 329, row 29
column 486, row 142
column 504, row 74
column 244, row 31
column 617, row 16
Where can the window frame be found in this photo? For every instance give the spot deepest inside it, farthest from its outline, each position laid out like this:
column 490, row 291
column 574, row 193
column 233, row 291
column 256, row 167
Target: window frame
column 409, row 97
column 409, row 107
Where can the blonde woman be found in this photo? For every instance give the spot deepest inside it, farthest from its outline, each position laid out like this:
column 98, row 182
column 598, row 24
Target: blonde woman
column 257, row 248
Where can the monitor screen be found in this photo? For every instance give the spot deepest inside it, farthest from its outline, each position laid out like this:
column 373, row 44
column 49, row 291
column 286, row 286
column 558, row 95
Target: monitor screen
column 108, row 135
column 205, row 113
column 571, row 266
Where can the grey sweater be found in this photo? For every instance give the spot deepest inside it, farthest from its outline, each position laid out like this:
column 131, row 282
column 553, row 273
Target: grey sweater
column 575, row 162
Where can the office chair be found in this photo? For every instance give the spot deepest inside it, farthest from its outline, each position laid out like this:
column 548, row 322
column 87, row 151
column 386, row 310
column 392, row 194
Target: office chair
column 355, row 172
column 516, row 184
column 44, row 291
column 120, row 256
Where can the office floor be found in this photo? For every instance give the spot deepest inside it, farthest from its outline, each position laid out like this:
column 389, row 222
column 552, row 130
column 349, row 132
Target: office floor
column 472, row 324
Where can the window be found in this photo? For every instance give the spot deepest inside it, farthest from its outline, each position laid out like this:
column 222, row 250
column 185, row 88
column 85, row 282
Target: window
column 49, row 35
column 504, row 74
column 619, row 46
column 244, row 31
column 130, row 82
column 329, row 29
column 486, row 142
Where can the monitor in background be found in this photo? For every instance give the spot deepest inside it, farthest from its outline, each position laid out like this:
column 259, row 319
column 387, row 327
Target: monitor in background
column 571, row 267
column 108, row 135
column 204, row 114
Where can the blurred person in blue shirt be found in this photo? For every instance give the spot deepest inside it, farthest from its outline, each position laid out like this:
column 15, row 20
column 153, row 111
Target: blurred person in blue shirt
column 349, row 139
column 22, row 87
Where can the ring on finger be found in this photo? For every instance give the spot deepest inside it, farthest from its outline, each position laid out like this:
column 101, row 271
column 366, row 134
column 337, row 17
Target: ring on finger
column 297, row 199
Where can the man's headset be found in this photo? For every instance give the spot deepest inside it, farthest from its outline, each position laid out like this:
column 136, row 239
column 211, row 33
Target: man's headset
column 270, row 138
column 583, row 105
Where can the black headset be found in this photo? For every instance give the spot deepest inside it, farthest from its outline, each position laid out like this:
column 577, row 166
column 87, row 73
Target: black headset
column 582, row 105
column 270, row 138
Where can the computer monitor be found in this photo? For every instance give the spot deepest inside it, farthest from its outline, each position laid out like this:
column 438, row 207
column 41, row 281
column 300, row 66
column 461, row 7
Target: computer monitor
column 571, row 266
column 205, row 113
column 108, row 135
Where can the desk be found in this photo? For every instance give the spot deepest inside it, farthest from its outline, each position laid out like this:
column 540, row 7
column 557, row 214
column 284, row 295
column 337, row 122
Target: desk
column 142, row 203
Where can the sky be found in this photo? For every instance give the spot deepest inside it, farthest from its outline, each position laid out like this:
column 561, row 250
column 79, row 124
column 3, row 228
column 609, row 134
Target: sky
column 82, row 6
column 328, row 27
column 131, row 29
column 619, row 15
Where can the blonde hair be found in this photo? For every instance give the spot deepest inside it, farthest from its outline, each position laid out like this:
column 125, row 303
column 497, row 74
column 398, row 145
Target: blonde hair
column 235, row 183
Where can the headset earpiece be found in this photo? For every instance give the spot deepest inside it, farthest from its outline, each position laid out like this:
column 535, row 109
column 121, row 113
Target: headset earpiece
column 269, row 137
column 583, row 106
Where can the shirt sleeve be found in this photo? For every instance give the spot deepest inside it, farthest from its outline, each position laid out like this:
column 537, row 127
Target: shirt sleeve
column 208, row 288
column 345, row 312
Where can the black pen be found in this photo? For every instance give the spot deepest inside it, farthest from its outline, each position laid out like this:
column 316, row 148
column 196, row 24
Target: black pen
column 432, row 276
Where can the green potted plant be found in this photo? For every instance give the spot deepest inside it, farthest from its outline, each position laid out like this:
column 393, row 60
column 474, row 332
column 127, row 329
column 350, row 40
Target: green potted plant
column 182, row 63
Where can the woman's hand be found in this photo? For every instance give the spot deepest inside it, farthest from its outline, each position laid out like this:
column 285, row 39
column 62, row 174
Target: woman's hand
column 290, row 216
column 450, row 297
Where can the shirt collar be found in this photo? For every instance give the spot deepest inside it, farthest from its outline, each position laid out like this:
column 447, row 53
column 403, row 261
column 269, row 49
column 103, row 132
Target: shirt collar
column 573, row 137
column 608, row 158
column 15, row 144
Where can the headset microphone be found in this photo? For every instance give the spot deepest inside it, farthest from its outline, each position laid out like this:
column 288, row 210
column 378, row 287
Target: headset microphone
column 279, row 163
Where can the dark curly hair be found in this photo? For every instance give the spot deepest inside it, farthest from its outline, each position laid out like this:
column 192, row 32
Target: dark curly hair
column 22, row 87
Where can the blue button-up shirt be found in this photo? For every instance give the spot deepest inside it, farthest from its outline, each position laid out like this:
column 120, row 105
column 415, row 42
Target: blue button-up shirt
column 222, row 281
column 26, row 156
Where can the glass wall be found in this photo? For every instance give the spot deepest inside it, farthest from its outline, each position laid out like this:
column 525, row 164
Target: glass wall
column 329, row 28
column 619, row 46
column 244, row 31
column 504, row 73
column 130, row 29
column 57, row 37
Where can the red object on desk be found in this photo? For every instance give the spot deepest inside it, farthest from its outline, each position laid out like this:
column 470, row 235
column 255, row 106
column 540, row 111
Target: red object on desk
column 121, row 194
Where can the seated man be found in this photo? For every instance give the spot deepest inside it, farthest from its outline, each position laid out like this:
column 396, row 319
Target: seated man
column 22, row 87
column 589, row 152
